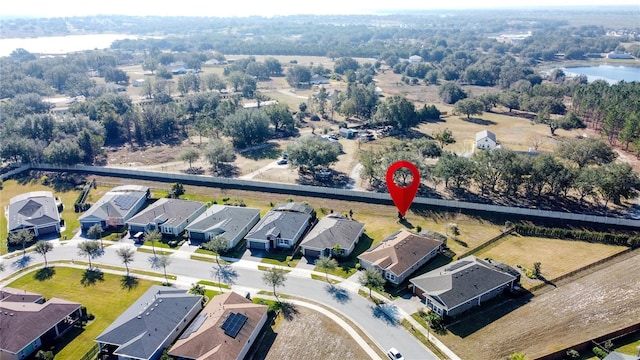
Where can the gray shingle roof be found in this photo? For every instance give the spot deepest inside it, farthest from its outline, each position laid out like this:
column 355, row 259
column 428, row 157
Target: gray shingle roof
column 32, row 209
column 485, row 133
column 332, row 230
column 460, row 281
column 170, row 211
column 284, row 224
column 228, row 220
column 614, row 355
column 294, row 207
column 150, row 321
column 116, row 203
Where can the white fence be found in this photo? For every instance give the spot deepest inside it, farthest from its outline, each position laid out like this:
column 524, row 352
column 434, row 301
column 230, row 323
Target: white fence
column 314, row 191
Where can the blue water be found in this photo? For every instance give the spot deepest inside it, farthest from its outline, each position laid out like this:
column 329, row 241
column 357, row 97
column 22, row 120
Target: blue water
column 610, row 73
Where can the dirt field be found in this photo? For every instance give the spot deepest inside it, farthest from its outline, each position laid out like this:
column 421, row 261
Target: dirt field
column 593, row 305
column 558, row 257
column 293, row 339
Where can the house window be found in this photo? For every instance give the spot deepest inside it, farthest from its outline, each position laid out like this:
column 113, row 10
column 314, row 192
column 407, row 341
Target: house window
column 283, row 241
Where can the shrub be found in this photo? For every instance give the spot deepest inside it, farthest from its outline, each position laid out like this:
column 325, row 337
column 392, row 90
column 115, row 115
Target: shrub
column 601, row 354
column 418, row 229
column 573, row 354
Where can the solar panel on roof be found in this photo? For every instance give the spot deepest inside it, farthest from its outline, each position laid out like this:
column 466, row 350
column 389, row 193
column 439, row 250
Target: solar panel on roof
column 125, row 202
column 233, row 324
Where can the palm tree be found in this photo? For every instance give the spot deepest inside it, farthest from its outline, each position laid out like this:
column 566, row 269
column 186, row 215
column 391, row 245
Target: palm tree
column 126, row 253
column 42, row 248
column 197, row 289
column 152, row 236
column 326, row 264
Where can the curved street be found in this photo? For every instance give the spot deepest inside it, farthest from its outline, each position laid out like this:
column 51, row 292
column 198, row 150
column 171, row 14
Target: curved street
column 382, row 324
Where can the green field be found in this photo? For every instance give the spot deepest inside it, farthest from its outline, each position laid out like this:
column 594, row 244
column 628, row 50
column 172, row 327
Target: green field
column 106, row 298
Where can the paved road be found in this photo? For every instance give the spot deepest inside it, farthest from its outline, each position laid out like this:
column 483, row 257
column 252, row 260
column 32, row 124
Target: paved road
column 382, row 324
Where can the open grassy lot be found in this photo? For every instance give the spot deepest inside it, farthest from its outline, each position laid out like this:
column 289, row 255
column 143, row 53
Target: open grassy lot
column 593, row 305
column 106, row 298
column 12, row 188
column 557, row 256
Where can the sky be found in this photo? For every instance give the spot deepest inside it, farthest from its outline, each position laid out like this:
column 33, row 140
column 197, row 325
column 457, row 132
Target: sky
column 225, row 8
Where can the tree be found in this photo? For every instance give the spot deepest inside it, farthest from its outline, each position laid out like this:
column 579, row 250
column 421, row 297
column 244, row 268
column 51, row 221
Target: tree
column 161, row 262
column 21, row 237
column 95, row 232
column 372, row 279
column 126, row 253
column 537, row 269
column 177, row 190
column 217, row 152
column 42, row 248
column 444, row 137
column 247, row 127
column 218, row 245
column 274, row 277
column 451, row 93
column 345, row 63
column 468, row 107
column 509, row 99
column 90, row 249
column 190, row 155
column 298, row 75
column 281, row 118
column 312, row 152
column 618, row 180
column 326, row 264
column 152, row 236
column 585, row 152
column 399, row 111
column 197, row 289
column 517, row 356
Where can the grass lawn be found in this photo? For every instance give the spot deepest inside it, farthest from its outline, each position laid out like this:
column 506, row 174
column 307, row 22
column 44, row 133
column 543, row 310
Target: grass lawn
column 106, row 298
column 281, row 258
column 214, row 284
column 558, row 257
column 11, row 188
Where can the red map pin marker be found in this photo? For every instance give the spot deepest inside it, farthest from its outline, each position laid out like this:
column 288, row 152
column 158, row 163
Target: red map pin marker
column 403, row 196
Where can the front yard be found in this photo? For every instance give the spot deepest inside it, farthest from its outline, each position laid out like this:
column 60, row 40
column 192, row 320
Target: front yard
column 106, row 298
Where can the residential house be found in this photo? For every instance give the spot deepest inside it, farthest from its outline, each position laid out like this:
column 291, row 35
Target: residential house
column 400, row 254
column 486, row 140
column 169, row 216
column 139, row 82
column 116, row 207
column 318, row 80
column 281, row 227
column 27, row 322
column 36, row 211
column 414, row 59
column 619, row 56
column 332, row 233
column 225, row 329
column 232, row 222
column 459, row 286
column 148, row 326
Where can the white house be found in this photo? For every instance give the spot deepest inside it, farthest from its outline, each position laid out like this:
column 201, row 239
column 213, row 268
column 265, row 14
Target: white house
column 36, row 211
column 486, row 140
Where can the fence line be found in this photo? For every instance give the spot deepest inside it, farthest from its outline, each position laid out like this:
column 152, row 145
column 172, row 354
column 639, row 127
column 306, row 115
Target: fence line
column 92, row 353
column 487, row 243
column 314, row 191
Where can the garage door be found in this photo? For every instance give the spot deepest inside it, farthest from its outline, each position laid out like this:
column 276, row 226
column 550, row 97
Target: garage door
column 257, row 245
column 311, row 253
column 47, row 230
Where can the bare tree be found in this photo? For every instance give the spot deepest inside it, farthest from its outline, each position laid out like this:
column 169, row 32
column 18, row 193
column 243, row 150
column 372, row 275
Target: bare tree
column 326, row 264
column 218, row 245
column 274, row 277
column 161, row 261
column 90, row 249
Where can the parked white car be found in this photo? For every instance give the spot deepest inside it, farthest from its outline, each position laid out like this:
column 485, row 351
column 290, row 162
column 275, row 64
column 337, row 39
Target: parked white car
column 394, row 354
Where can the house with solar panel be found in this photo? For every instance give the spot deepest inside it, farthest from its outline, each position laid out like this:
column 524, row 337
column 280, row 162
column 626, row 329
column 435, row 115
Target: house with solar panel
column 225, row 329
column 36, row 211
column 116, row 207
column 461, row 285
column 168, row 216
column 282, row 227
column 232, row 222
column 151, row 324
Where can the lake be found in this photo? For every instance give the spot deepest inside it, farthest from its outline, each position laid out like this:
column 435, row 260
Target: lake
column 57, row 45
column 608, row 72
